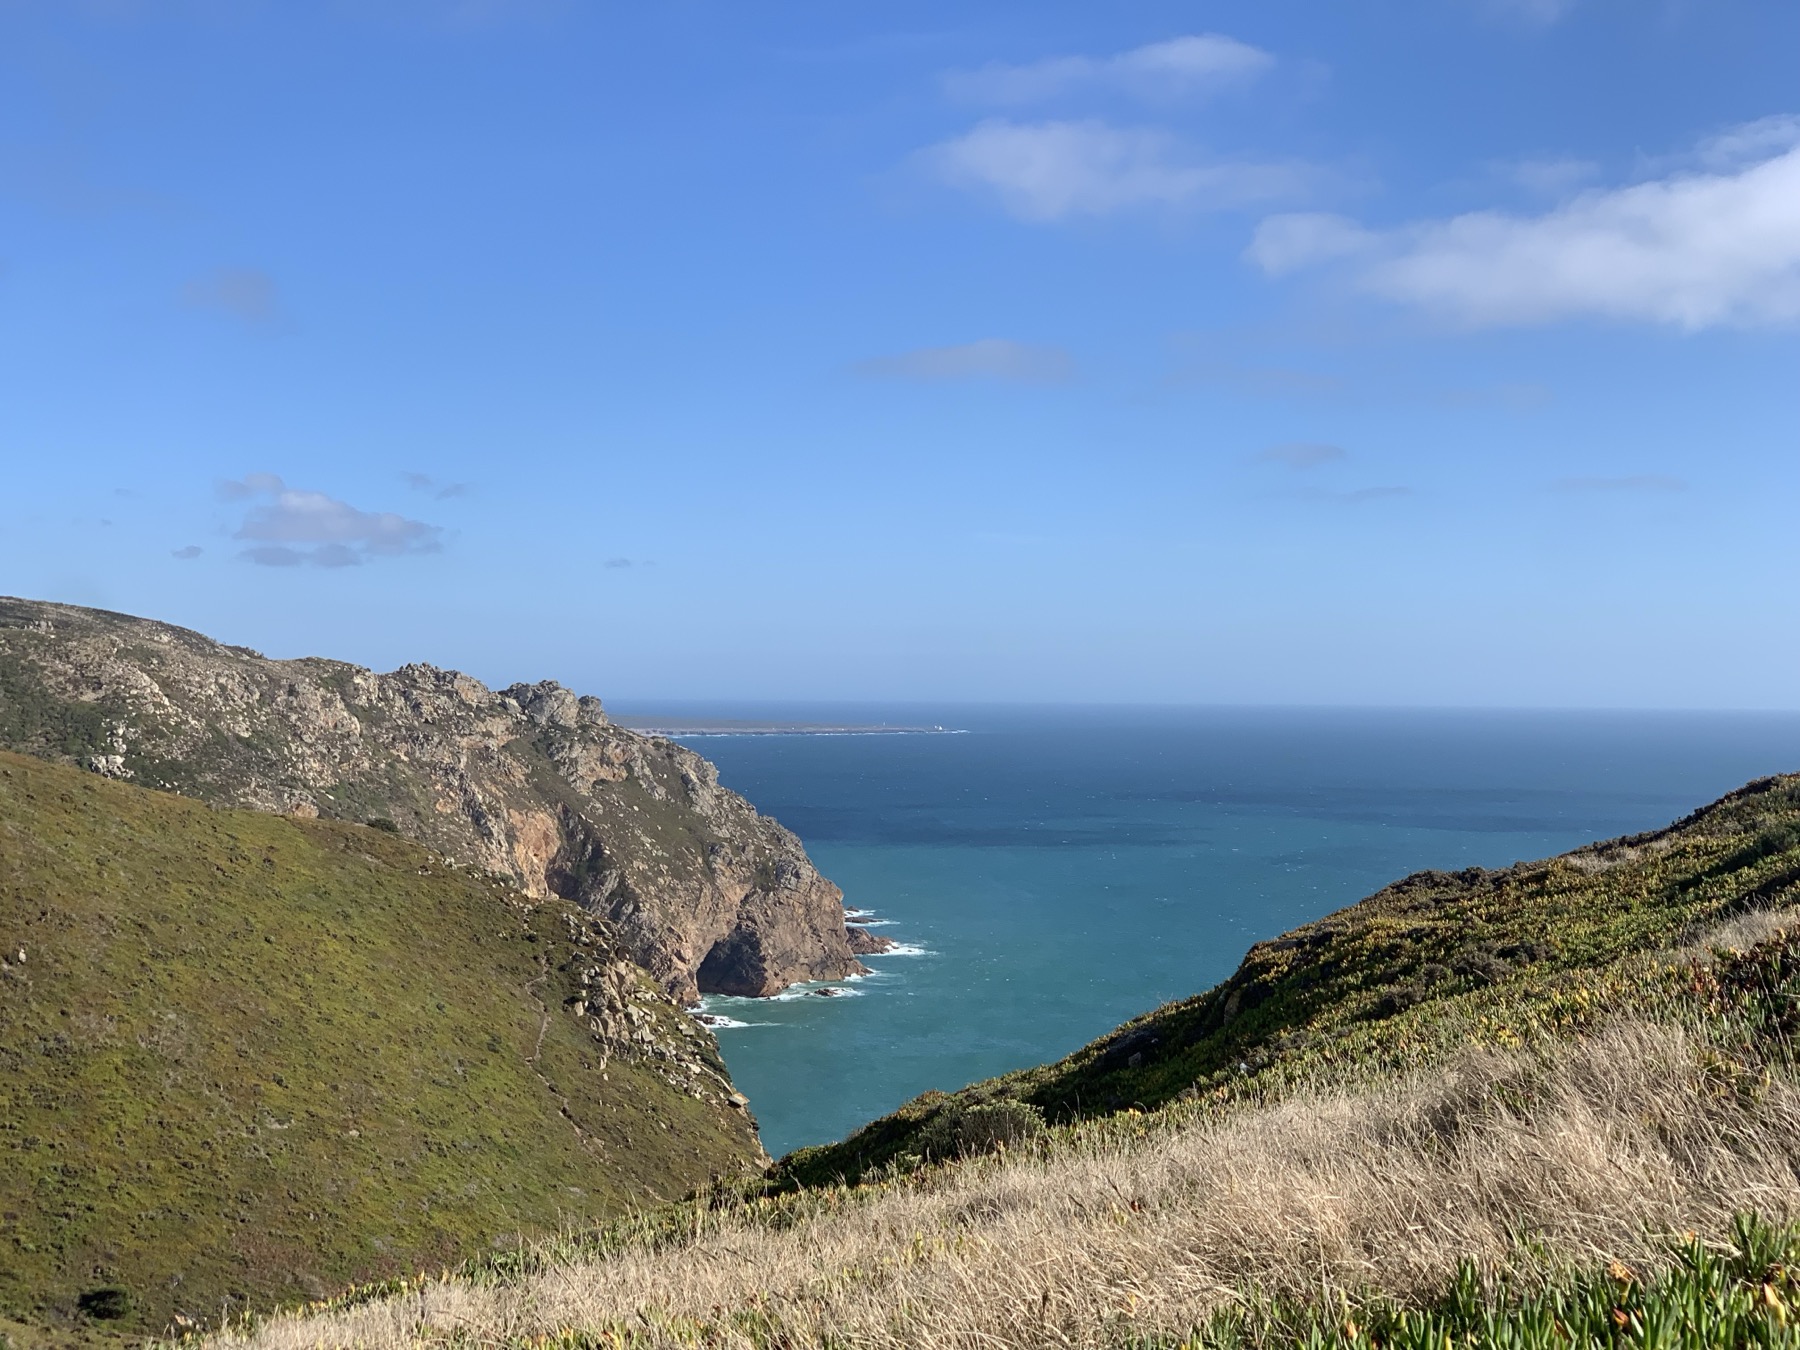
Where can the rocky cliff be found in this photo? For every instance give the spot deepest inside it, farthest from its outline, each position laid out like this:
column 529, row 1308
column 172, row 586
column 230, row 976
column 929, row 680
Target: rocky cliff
column 530, row 782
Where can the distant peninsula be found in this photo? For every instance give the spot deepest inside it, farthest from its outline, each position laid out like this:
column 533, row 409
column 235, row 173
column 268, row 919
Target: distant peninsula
column 737, row 726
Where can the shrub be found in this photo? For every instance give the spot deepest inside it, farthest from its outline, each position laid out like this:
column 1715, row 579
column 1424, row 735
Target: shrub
column 106, row 1304
column 961, row 1131
column 385, row 825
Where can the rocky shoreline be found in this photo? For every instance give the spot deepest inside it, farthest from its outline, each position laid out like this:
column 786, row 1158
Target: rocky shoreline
column 865, row 943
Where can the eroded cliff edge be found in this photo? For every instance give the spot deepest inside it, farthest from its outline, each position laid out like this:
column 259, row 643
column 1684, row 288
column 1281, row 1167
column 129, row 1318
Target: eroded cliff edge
column 531, row 782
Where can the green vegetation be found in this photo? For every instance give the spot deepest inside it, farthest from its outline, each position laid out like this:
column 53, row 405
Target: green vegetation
column 245, row 1058
column 1732, row 1294
column 968, row 1129
column 39, row 722
column 1427, row 966
column 1740, row 1294
column 1521, row 1198
column 1481, row 1109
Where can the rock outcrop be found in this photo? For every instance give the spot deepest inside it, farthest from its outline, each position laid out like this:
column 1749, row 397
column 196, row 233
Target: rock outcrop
column 530, row 782
column 865, row 943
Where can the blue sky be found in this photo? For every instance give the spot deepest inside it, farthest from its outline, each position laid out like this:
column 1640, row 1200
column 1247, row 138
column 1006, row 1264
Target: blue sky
column 1408, row 352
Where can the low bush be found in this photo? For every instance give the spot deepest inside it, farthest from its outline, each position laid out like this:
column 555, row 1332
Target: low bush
column 107, row 1304
column 959, row 1131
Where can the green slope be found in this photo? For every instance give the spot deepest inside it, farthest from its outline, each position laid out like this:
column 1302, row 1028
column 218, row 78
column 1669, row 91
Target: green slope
column 246, row 1058
column 1429, row 964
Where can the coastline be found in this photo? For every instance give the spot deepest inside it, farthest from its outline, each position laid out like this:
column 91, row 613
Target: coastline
column 677, row 728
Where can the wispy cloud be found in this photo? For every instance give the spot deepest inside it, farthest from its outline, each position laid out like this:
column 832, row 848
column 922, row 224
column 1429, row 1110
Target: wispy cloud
column 1624, row 484
column 1303, row 454
column 1744, row 145
column 187, row 554
column 988, row 359
column 1045, row 171
column 289, row 527
column 1547, row 175
column 238, row 292
column 1693, row 249
column 250, row 485
column 424, row 482
column 1198, row 63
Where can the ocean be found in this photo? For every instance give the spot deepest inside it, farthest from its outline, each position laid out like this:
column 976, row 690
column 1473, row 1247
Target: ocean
column 1051, row 872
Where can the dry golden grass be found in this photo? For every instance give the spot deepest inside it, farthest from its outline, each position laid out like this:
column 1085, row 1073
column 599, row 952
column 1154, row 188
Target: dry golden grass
column 1584, row 1153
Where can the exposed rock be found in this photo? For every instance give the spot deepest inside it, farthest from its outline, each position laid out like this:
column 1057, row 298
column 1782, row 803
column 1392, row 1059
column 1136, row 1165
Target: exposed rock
column 865, row 943
column 532, row 782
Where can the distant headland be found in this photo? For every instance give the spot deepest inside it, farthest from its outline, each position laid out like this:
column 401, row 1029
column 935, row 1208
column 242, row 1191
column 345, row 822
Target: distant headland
column 736, row 726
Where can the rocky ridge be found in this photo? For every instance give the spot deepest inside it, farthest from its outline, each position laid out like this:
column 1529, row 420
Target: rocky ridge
column 531, row 782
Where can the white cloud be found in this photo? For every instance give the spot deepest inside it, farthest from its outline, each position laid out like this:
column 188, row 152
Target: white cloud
column 1749, row 143
column 1197, row 63
column 291, row 527
column 989, row 359
column 1299, row 239
column 1043, row 171
column 1691, row 249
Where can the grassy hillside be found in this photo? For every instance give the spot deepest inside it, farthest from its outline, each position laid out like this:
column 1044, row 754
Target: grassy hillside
column 1553, row 1106
column 1590, row 1191
column 245, row 1058
column 1396, row 981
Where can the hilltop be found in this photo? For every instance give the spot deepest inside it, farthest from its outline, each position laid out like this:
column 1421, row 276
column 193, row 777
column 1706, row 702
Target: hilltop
column 532, row 782
column 1533, row 1107
column 247, row 1058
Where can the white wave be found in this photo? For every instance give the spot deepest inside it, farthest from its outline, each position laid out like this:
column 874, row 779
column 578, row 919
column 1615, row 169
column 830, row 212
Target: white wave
column 905, row 949
column 817, row 991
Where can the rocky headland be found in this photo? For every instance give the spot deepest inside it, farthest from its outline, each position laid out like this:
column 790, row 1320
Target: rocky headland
column 532, row 782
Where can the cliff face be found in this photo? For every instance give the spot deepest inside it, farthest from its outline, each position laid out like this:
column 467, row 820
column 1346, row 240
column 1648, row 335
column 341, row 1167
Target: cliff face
column 531, row 782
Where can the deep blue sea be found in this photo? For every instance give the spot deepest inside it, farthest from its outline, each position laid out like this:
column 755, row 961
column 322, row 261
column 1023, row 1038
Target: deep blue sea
column 1054, row 871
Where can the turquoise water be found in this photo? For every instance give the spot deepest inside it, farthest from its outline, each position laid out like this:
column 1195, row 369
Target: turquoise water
column 1059, row 870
